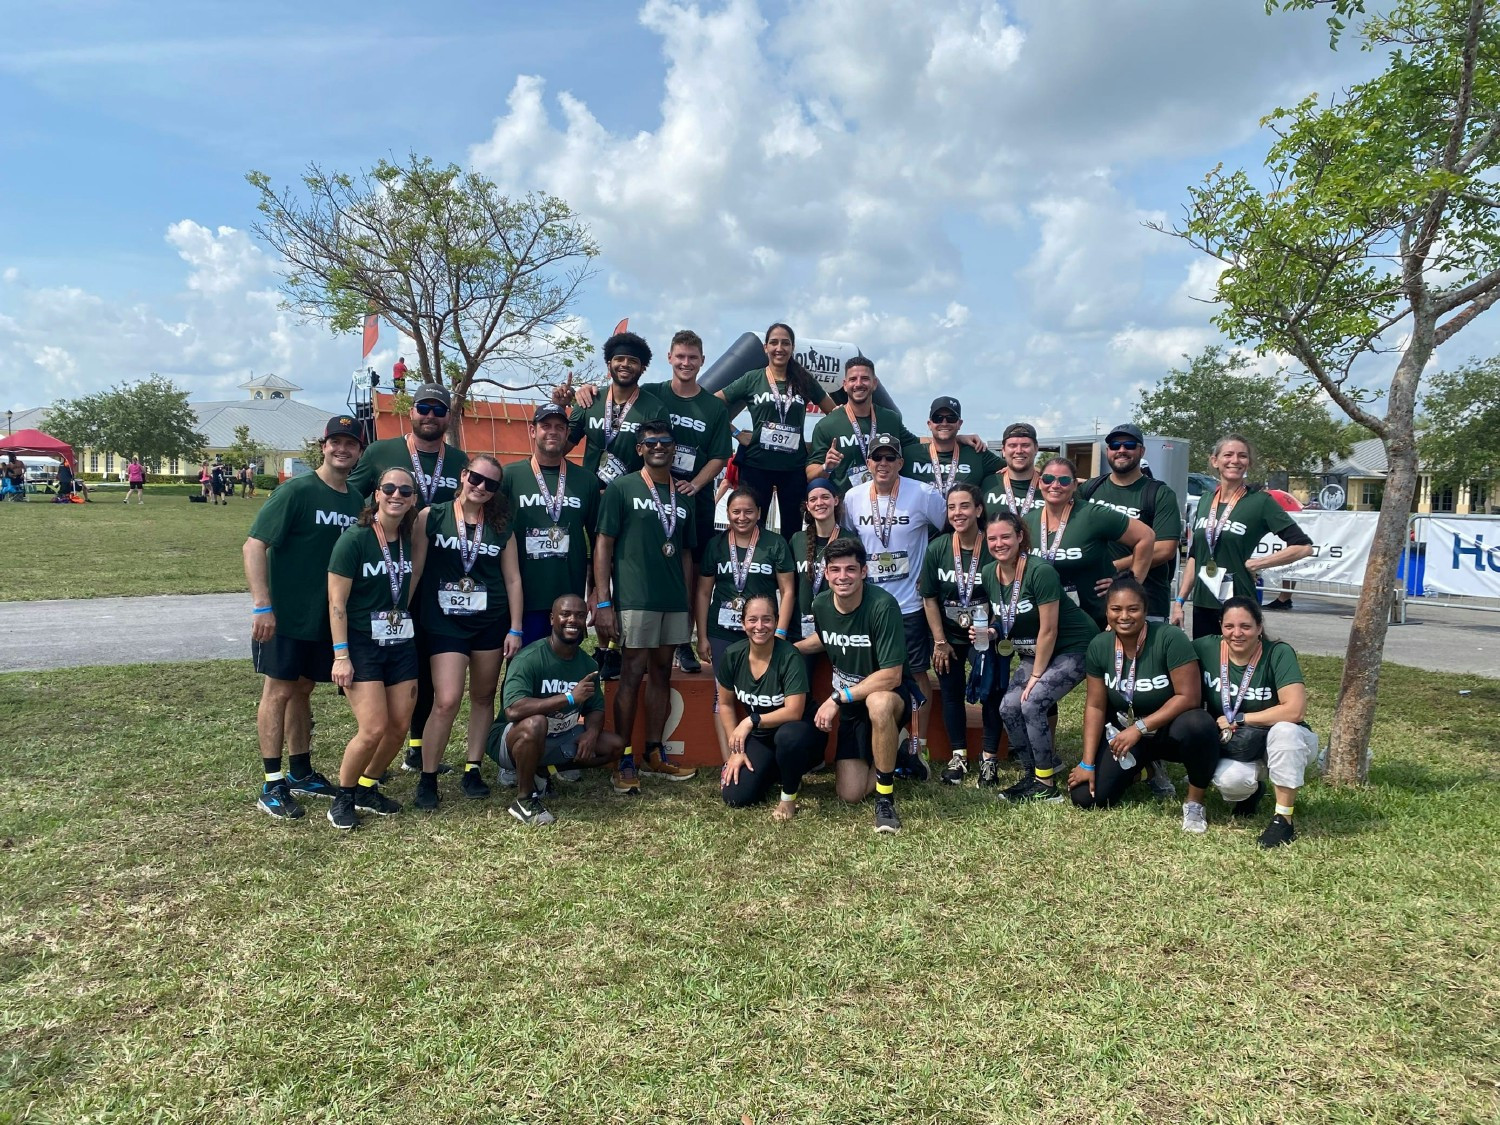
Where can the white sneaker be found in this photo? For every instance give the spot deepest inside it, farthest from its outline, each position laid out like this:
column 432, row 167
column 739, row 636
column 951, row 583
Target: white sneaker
column 1194, row 817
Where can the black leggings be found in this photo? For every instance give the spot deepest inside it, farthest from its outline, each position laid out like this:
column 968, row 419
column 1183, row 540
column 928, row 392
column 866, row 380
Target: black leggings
column 791, row 493
column 952, row 684
column 1192, row 739
column 423, row 707
column 783, row 756
column 1207, row 622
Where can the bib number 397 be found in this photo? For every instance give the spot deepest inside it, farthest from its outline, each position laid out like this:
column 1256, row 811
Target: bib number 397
column 393, row 627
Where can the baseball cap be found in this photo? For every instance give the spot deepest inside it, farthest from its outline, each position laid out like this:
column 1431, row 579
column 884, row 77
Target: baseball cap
column 1127, row 430
column 884, row 441
column 548, row 410
column 945, row 402
column 346, row 425
column 1019, row 429
column 432, row 392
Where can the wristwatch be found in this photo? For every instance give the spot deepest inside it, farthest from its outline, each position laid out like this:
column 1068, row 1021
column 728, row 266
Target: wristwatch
column 1140, row 725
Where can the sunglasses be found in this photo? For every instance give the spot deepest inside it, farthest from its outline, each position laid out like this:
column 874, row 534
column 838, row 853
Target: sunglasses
column 479, row 480
column 883, row 457
column 658, row 441
column 1116, row 446
column 945, row 420
column 396, row 490
column 1048, row 478
column 436, row 409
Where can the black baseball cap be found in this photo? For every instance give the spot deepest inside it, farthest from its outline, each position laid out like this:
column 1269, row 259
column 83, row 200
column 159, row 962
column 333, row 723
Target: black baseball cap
column 548, row 410
column 346, row 425
column 432, row 392
column 944, row 402
column 1127, row 430
column 884, row 441
column 1018, row 429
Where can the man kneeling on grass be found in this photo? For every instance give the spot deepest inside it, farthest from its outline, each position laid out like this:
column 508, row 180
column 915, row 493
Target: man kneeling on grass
column 549, row 685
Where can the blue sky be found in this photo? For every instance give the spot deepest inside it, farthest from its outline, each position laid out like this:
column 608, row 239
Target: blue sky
column 957, row 187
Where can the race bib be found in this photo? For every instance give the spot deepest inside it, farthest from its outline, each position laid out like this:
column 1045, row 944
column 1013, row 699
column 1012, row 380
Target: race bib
column 775, row 435
column 1220, row 584
column 1072, row 592
column 610, row 467
column 545, row 544
column 860, row 475
column 889, row 566
column 562, row 724
column 842, row 680
column 953, row 611
column 456, row 601
column 1026, row 648
column 731, row 618
column 393, row 627
column 684, row 459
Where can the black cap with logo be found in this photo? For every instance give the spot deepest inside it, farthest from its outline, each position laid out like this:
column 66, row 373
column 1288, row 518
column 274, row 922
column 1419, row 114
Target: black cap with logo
column 432, row 392
column 344, row 424
column 944, row 402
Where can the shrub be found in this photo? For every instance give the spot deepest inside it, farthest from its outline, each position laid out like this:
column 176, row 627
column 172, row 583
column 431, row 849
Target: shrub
column 265, row 482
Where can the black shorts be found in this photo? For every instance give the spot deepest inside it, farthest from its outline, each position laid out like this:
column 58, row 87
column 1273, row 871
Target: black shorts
column 288, row 658
column 918, row 642
column 137, row 486
column 483, row 638
column 381, row 664
column 854, row 729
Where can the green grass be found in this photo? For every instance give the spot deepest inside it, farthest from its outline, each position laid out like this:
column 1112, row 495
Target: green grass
column 110, row 549
column 169, row 954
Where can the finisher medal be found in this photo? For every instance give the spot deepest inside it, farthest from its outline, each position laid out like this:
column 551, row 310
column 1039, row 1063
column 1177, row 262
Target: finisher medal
column 965, row 620
column 1005, row 647
column 669, row 548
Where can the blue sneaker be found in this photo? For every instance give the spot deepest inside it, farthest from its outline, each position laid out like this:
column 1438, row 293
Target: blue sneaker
column 313, row 785
column 276, row 801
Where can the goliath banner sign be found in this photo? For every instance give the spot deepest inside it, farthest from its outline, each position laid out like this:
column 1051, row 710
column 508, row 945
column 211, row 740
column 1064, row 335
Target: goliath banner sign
column 825, row 359
column 1343, row 541
column 1463, row 557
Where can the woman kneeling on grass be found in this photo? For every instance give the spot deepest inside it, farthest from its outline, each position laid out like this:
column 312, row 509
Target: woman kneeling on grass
column 773, row 744
column 1254, row 689
column 1144, row 705
column 370, row 577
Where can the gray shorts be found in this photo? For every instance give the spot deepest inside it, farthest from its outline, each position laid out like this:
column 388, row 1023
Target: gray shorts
column 653, row 628
column 559, row 751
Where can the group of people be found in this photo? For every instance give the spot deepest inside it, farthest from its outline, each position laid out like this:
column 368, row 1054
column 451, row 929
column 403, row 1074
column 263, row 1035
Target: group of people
column 217, row 481
column 408, row 572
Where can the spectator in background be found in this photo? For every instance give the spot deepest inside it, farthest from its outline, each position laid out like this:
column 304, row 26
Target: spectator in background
column 398, row 375
column 205, row 481
column 218, row 480
column 135, row 478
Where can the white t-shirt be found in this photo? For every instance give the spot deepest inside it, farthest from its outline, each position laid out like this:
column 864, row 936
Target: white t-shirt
column 896, row 565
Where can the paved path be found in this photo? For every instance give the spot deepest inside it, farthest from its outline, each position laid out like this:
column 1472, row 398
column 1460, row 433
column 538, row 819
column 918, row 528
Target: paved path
column 66, row 634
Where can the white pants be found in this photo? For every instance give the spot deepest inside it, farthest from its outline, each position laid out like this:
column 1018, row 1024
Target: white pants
column 1289, row 750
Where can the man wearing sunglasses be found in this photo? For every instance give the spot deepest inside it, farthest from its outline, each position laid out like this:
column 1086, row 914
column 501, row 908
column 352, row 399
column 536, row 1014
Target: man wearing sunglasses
column 949, row 457
column 1014, row 487
column 1126, row 488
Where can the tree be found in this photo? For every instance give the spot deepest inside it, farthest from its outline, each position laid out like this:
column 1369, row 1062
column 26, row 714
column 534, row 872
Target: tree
column 482, row 283
column 247, row 451
column 1460, row 423
column 1377, row 235
column 150, row 419
column 312, row 454
column 1220, row 392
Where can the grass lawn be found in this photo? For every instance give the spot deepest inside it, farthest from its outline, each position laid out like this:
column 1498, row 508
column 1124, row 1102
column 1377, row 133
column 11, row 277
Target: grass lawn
column 169, row 954
column 110, row 549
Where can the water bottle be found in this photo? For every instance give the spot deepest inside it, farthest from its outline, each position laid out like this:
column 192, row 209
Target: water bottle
column 1110, row 733
column 981, row 628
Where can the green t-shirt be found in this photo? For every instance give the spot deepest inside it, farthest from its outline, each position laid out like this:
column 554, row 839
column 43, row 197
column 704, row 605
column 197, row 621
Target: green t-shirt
column 806, row 572
column 644, row 576
column 537, row 672
column 939, row 579
column 999, row 496
column 445, row 565
column 752, row 389
column 769, row 559
column 1278, row 667
column 300, row 523
column 701, row 426
column 1166, row 521
column 1255, row 515
column 834, row 430
column 1166, row 648
column 551, row 565
column 968, row 465
column 588, row 425
column 785, row 675
column 1039, row 586
column 863, row 642
column 393, row 453
column 1084, row 555
column 357, row 557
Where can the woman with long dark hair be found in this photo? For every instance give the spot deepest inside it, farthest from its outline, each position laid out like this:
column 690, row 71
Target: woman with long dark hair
column 823, row 512
column 471, row 609
column 772, row 452
column 371, row 573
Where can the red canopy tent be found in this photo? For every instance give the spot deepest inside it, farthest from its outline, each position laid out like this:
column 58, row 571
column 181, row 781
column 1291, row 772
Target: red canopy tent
column 36, row 444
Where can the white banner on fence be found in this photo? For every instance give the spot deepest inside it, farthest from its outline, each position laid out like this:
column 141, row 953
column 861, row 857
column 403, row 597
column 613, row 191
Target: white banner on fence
column 1343, row 541
column 1463, row 557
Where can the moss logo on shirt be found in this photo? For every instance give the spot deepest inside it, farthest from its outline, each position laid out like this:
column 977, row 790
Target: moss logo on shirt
column 334, row 519
column 1153, row 683
column 847, row 640
column 535, row 501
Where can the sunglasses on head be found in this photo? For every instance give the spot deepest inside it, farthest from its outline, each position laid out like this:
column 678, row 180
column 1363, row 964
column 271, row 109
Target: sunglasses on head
column 883, row 457
column 396, row 489
column 1048, row 478
column 479, row 480
column 945, row 420
column 436, row 409
column 658, row 441
column 1116, row 446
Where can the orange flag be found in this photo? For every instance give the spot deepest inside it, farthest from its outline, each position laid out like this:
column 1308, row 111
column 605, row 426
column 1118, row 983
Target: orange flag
column 372, row 333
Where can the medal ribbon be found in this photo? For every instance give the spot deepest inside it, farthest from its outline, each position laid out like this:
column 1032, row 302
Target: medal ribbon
column 553, row 504
column 742, row 572
column 818, row 566
column 393, row 570
column 783, row 405
column 964, row 579
column 883, row 523
column 944, row 481
column 426, row 486
column 1135, row 659
column 1232, row 714
column 1010, row 496
column 1009, row 610
column 860, row 438
column 1050, row 549
column 468, row 552
column 613, row 421
column 666, row 513
column 1213, row 528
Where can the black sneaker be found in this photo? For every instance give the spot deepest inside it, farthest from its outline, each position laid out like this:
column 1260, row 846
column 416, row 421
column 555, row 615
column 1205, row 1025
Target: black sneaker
column 989, row 773
column 1034, row 790
column 313, row 785
column 609, row 663
column 1014, row 792
column 1279, row 833
column 276, row 801
column 530, row 810
column 688, row 660
column 412, row 763
column 473, row 786
column 341, row 813
column 369, row 798
column 427, row 795
column 1277, row 603
column 887, row 820
column 912, row 764
column 957, row 768
column 1251, row 804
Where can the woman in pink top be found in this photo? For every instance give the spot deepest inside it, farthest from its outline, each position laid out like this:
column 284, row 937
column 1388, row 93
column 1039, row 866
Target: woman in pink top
column 135, row 476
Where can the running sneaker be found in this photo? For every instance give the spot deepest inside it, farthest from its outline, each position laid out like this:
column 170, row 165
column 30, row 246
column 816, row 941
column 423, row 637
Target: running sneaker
column 506, row 777
column 688, row 660
column 369, row 798
column 609, row 663
column 427, row 795
column 657, row 765
column 1248, row 807
column 313, row 785
column 1032, row 789
column 530, row 810
column 341, row 813
column 989, row 773
column 1161, row 782
column 570, row 775
column 957, row 769
column 474, row 786
column 276, row 801
column 912, row 764
column 412, row 762
column 1023, row 783
column 1279, row 833
column 887, row 820
column 1194, row 818
column 625, row 779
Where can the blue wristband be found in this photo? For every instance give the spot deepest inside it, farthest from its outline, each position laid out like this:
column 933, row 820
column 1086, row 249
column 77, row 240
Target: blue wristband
column 848, row 695
column 341, row 647
column 781, row 633
column 261, row 609
column 602, row 605
column 517, row 633
column 568, row 695
column 1086, row 766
